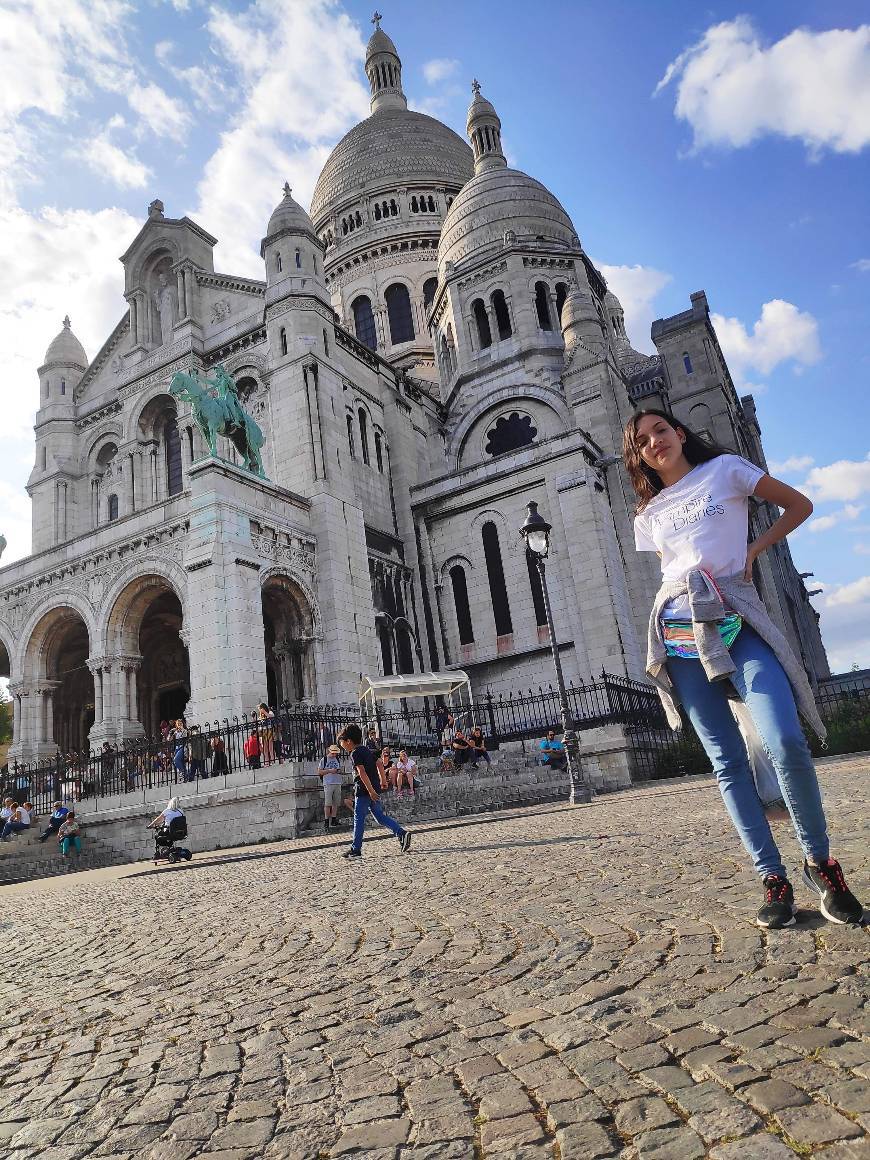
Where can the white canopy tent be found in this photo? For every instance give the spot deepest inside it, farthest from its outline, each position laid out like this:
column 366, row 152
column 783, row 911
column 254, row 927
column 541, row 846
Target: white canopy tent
column 447, row 684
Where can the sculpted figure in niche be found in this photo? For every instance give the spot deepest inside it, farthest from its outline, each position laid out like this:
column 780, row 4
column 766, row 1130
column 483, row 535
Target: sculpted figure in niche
column 163, row 300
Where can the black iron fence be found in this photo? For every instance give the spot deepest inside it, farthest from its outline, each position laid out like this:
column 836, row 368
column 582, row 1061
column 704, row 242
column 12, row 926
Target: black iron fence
column 302, row 732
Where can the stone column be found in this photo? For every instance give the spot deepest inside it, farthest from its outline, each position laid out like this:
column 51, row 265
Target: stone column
column 130, row 483
column 128, row 724
column 181, row 292
column 134, row 320
column 96, row 668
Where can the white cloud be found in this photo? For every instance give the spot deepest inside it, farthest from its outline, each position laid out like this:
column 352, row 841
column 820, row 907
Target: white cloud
column 809, row 86
column 636, row 287
column 287, row 119
column 790, row 465
column 439, row 69
column 782, row 334
column 823, row 523
column 112, row 163
column 847, row 479
column 163, row 115
column 862, row 265
column 855, row 592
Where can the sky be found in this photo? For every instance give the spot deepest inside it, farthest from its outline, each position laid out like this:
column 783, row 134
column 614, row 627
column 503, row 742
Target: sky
column 718, row 147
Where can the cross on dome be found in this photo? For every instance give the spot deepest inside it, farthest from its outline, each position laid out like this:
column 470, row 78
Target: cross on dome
column 475, row 86
column 287, row 190
column 376, row 20
column 66, row 323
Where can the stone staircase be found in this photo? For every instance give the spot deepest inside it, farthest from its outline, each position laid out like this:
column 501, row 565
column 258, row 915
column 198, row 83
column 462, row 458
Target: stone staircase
column 512, row 780
column 24, row 858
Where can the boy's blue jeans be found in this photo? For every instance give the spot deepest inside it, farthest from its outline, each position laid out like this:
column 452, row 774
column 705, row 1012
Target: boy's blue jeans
column 361, row 807
column 762, row 684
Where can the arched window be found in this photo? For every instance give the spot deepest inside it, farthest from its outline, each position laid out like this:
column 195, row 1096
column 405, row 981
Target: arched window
column 413, row 205
column 172, row 450
column 45, row 459
column 379, row 454
column 460, row 601
column 687, row 362
column 431, row 204
column 325, row 343
column 497, row 587
column 298, row 260
column 405, row 657
column 542, row 305
column 112, row 508
column 484, row 334
column 350, row 442
column 502, row 316
column 394, row 209
column 279, row 265
column 63, row 386
column 509, row 433
column 283, row 337
column 358, row 219
column 561, row 295
column 429, row 288
column 377, row 212
column 446, row 363
column 537, row 591
column 399, row 312
column 386, row 651
column 364, row 322
column 363, row 435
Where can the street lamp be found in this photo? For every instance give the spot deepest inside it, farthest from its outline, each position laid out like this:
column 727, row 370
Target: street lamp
column 536, row 532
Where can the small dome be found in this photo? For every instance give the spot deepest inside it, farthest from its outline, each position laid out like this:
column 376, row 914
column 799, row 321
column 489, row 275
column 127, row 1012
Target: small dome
column 289, row 215
column 66, row 349
column 579, row 306
column 380, row 42
column 611, row 302
column 494, row 202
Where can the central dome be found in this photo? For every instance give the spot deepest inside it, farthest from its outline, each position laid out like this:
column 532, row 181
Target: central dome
column 391, row 147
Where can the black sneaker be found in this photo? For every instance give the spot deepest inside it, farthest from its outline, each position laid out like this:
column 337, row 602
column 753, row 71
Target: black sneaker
column 838, row 903
column 405, row 842
column 351, row 853
column 778, row 909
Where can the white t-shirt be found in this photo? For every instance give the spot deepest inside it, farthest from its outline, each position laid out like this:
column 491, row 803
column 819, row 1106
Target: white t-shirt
column 406, row 766
column 169, row 815
column 700, row 522
column 24, row 816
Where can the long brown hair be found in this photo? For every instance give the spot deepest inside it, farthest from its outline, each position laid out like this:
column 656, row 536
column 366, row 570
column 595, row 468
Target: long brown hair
column 646, row 481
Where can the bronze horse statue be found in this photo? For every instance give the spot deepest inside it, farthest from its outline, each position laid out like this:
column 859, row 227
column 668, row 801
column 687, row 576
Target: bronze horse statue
column 218, row 411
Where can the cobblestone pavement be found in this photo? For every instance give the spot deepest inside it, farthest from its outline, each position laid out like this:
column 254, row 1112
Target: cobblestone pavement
column 574, row 983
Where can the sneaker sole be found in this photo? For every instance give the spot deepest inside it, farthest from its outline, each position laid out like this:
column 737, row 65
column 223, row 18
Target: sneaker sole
column 776, row 926
column 406, row 843
column 830, row 917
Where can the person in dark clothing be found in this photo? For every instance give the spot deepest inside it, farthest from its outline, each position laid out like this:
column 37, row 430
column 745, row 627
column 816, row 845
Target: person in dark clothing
column 366, row 788
column 461, row 749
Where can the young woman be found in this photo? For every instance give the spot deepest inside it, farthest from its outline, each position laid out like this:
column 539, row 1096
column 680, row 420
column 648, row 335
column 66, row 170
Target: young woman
column 711, row 638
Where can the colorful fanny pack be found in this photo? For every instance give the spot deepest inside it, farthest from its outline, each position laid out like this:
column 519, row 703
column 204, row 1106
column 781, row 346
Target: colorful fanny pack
column 679, row 635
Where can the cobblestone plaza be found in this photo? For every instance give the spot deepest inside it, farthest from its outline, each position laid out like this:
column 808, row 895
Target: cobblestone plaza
column 565, row 982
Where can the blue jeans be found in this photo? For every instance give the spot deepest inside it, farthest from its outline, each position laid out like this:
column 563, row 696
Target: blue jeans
column 361, row 807
column 763, row 686
column 13, row 828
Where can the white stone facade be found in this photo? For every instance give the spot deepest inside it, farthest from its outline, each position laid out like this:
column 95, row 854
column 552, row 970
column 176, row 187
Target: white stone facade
column 428, row 351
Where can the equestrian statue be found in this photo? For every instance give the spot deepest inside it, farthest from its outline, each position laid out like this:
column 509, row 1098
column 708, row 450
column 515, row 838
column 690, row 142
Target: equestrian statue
column 218, row 411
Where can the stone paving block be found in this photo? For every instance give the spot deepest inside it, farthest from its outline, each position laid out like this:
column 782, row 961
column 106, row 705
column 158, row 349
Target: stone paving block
column 643, row 1114
column 735, row 1120
column 667, row 1079
column 576, row 1111
column 245, row 1134
column 377, row 1108
column 849, row 1150
column 813, row 1039
column 773, row 1094
column 505, row 1102
column 761, row 1146
column 587, row 1141
column 816, row 1124
column 368, row 1137
column 850, row 1095
column 731, row 1075
column 669, row 1144
column 503, row 1134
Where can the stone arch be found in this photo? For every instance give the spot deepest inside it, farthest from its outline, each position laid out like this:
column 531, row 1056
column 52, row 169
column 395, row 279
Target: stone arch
column 30, row 642
column 291, row 630
column 501, row 400
column 145, row 669
column 157, row 428
column 162, row 247
column 451, row 562
column 112, row 433
column 57, row 708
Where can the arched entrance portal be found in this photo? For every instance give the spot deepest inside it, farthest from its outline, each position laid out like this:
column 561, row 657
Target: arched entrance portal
column 288, row 632
column 146, row 650
column 61, row 709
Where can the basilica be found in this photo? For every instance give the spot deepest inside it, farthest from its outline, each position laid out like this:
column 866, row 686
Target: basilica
column 429, row 348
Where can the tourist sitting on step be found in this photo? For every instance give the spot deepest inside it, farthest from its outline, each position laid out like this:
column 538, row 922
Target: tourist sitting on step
column 552, row 752
column 406, row 770
column 478, row 747
column 55, row 821
column 17, row 822
column 70, row 835
column 460, row 748
column 387, row 768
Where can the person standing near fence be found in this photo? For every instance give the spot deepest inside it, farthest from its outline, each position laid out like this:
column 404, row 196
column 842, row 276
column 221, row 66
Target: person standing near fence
column 366, row 786
column 710, row 638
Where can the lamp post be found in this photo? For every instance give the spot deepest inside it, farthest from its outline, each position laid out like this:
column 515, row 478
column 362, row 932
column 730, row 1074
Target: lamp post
column 536, row 533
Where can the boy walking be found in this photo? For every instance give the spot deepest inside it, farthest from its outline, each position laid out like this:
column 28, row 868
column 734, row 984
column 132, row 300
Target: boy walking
column 366, row 784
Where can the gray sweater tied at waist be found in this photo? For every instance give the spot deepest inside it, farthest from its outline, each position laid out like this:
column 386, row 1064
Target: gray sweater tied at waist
column 739, row 595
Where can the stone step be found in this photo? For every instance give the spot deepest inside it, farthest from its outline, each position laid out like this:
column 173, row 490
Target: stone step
column 24, row 858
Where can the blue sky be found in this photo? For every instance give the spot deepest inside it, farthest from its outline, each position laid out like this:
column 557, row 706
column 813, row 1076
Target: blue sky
column 722, row 147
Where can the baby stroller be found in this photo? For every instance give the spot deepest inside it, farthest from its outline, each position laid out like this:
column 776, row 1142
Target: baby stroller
column 165, row 839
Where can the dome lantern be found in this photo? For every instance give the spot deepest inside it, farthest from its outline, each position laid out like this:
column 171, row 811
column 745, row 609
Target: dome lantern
column 384, row 70
column 484, row 132
column 65, row 349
